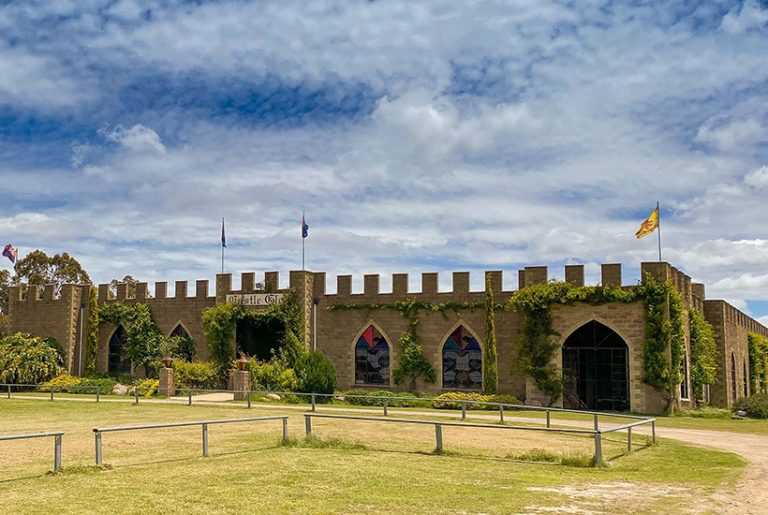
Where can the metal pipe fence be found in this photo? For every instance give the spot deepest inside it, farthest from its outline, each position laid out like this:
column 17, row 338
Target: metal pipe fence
column 385, row 403
column 204, row 425
column 57, row 438
column 439, row 425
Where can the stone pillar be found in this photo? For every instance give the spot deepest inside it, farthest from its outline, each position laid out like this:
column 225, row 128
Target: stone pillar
column 167, row 384
column 241, row 383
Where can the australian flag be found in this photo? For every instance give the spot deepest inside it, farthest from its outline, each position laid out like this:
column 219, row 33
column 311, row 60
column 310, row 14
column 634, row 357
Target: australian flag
column 10, row 253
column 304, row 227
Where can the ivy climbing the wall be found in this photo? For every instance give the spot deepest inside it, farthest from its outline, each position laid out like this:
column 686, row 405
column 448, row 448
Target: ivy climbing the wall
column 92, row 332
column 220, row 322
column 703, row 353
column 664, row 330
column 490, row 365
column 758, row 363
column 143, row 338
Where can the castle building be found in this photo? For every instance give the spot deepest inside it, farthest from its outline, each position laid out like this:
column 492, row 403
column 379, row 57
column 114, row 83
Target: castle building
column 601, row 353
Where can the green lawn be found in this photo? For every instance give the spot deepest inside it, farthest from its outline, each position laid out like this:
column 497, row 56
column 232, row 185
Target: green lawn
column 395, row 472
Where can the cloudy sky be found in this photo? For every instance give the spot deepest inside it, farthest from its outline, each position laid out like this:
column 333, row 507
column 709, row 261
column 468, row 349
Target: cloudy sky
column 418, row 136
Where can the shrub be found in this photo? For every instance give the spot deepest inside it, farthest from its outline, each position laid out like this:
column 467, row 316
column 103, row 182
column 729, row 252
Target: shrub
column 452, row 400
column 380, row 395
column 105, row 385
column 148, row 387
column 60, row 383
column 199, row 374
column 756, row 406
column 27, row 359
column 265, row 374
column 316, row 374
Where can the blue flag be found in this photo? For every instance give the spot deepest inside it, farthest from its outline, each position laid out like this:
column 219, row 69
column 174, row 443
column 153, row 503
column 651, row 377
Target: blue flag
column 304, row 227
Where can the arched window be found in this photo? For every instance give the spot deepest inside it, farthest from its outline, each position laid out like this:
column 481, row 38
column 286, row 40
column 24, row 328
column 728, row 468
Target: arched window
column 734, row 388
column 118, row 363
column 183, row 345
column 372, row 358
column 462, row 361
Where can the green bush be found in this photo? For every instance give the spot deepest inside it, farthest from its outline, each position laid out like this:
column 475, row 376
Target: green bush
column 148, row 387
column 60, row 383
column 105, row 385
column 265, row 374
column 27, row 359
column 452, row 400
column 316, row 374
column 379, row 395
column 199, row 374
column 756, row 406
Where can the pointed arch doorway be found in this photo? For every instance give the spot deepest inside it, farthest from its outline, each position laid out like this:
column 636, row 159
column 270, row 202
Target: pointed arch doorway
column 595, row 369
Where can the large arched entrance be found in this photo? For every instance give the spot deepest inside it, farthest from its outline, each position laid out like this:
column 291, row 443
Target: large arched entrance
column 595, row 369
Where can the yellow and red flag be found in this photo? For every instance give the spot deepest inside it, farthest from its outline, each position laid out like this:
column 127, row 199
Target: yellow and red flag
column 649, row 225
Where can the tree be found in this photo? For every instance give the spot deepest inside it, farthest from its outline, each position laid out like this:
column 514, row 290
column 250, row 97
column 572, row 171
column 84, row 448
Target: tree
column 130, row 286
column 38, row 269
column 490, row 367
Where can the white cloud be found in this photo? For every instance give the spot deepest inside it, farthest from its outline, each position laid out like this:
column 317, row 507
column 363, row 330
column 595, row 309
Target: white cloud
column 138, row 138
column 758, row 178
column 745, row 17
column 736, row 135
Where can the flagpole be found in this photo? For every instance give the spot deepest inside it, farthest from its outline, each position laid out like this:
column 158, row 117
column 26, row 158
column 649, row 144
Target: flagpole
column 303, row 215
column 222, row 245
column 658, row 228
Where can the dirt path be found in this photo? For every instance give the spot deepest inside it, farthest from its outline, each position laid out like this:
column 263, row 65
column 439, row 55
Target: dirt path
column 751, row 493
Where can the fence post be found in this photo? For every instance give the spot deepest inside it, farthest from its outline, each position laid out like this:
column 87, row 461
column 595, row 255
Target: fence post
column 51, row 393
column 136, row 393
column 205, row 440
column 314, row 406
column 9, row 391
column 385, row 408
column 438, row 438
column 98, row 448
column 463, row 410
column 549, row 419
column 598, row 448
column 189, row 397
column 57, row 453
column 501, row 414
column 285, row 429
column 248, row 394
column 308, row 424
column 653, row 431
column 629, row 439
column 98, row 393
column 597, row 424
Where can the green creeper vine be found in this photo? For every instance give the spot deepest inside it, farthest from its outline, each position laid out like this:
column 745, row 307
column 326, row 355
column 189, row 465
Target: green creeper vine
column 92, row 335
column 219, row 324
column 703, row 353
column 143, row 338
column 664, row 329
column 413, row 363
column 758, row 363
column 490, row 366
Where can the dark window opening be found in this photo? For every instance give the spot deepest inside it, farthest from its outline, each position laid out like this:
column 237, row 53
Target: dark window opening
column 259, row 338
column 118, row 362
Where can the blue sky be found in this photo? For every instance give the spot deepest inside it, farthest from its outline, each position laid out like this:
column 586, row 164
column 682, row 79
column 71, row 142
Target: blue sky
column 419, row 136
